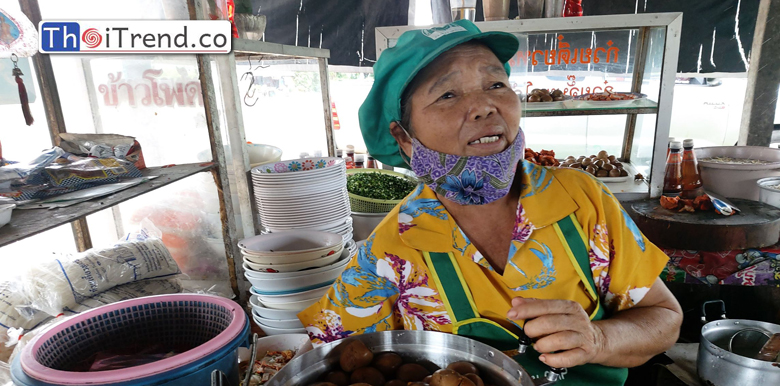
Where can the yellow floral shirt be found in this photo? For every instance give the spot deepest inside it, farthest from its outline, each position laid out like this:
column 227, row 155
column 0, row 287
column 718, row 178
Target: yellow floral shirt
column 387, row 285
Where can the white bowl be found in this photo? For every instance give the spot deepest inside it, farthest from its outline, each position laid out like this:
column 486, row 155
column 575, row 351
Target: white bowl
column 737, row 180
column 5, row 213
column 274, row 300
column 279, row 331
column 341, row 262
column 297, row 283
column 296, row 306
column 276, row 323
column 272, row 313
column 272, row 268
column 291, row 285
column 298, row 342
column 294, row 258
column 260, row 154
column 289, row 242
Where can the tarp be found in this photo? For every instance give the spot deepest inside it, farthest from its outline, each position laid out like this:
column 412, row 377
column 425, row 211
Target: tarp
column 345, row 27
column 717, row 34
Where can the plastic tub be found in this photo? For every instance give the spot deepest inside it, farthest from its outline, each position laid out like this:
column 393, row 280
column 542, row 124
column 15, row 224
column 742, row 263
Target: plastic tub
column 5, row 213
column 737, row 180
column 260, row 153
column 365, row 223
column 214, row 325
column 769, row 195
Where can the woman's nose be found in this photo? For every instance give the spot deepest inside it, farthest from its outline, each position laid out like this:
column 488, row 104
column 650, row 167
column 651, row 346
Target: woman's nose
column 481, row 107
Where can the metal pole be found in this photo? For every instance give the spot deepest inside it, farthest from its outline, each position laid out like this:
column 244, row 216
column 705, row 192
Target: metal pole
column 763, row 78
column 640, row 60
column 325, row 90
column 226, row 211
column 53, row 109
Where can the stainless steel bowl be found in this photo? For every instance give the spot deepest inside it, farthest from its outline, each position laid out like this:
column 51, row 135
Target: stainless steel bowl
column 431, row 349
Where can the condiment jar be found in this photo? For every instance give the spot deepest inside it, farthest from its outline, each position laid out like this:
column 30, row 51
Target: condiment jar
column 673, row 173
column 691, row 179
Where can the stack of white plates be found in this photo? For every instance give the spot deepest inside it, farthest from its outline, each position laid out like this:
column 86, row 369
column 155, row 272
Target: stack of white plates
column 290, row 270
column 307, row 193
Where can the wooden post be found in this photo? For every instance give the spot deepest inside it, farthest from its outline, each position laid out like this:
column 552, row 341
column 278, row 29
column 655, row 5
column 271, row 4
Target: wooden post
column 763, row 78
column 51, row 105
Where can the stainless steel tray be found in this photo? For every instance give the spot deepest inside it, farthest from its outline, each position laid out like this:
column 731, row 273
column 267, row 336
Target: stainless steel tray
column 430, row 349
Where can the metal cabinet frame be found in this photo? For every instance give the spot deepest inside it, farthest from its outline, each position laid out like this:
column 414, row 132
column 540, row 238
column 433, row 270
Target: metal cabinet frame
column 671, row 22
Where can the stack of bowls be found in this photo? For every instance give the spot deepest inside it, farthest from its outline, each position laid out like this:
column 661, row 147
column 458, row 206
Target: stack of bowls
column 290, row 271
column 307, row 193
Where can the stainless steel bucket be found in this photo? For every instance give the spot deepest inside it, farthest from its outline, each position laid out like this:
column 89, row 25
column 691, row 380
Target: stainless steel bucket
column 717, row 363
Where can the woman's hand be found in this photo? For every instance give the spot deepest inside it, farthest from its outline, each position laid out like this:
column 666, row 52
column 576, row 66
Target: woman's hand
column 561, row 330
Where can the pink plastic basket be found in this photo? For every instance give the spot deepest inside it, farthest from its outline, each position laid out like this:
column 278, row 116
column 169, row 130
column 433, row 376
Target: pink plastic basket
column 208, row 323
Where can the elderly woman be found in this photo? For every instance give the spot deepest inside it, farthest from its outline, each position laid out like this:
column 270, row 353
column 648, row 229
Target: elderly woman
column 490, row 246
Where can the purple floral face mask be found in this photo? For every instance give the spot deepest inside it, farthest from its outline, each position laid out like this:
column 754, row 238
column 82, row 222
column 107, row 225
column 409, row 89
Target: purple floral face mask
column 475, row 180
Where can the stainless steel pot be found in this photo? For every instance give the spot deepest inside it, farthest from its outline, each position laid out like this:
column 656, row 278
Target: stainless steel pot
column 434, row 349
column 718, row 364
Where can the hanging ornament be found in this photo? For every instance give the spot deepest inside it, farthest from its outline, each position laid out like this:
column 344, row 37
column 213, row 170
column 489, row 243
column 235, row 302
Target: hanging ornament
column 22, row 91
column 18, row 38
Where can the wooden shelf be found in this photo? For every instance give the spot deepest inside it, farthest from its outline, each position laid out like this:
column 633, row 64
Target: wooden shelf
column 27, row 222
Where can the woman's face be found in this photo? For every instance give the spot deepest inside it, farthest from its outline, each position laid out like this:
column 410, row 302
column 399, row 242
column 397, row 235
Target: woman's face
column 463, row 104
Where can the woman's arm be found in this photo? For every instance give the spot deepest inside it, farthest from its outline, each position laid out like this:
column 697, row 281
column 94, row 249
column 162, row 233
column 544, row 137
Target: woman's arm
column 633, row 336
column 563, row 332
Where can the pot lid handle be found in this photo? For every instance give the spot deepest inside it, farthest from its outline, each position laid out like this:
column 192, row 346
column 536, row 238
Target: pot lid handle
column 704, row 309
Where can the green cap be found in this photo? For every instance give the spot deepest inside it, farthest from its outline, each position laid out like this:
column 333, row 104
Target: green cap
column 398, row 65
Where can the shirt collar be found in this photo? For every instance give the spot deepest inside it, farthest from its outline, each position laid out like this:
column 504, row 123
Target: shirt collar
column 424, row 224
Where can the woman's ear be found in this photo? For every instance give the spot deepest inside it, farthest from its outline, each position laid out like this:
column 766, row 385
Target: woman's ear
column 403, row 139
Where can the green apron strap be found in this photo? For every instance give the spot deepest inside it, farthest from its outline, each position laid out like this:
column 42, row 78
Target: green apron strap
column 574, row 242
column 453, row 287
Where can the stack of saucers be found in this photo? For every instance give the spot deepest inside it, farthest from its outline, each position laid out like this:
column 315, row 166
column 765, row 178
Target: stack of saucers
column 307, row 193
column 289, row 271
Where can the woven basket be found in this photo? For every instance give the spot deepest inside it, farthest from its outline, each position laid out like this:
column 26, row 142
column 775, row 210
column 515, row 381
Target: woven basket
column 370, row 205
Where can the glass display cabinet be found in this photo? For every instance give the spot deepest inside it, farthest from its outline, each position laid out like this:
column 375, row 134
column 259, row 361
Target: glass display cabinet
column 626, row 54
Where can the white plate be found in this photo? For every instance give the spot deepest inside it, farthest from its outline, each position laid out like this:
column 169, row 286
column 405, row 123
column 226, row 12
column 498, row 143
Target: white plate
column 305, row 212
column 315, row 180
column 298, row 241
column 286, row 168
column 297, row 176
column 323, row 227
column 583, row 103
column 298, row 192
column 274, row 229
column 312, row 220
column 312, row 200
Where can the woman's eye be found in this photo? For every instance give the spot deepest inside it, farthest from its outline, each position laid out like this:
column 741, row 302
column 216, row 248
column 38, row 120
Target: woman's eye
column 446, row 95
column 497, row 85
